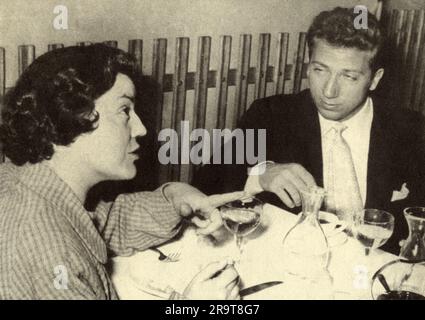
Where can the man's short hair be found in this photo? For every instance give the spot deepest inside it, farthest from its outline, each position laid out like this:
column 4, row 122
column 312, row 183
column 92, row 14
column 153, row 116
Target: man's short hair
column 337, row 27
column 53, row 100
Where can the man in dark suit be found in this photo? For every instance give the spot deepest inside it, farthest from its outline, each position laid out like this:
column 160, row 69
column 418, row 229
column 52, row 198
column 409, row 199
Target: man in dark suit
column 367, row 152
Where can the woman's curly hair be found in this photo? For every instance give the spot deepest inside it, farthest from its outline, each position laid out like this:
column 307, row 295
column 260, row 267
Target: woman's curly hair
column 53, row 100
column 338, row 28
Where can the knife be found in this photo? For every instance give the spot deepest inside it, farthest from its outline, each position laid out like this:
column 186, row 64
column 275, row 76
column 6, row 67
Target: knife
column 258, row 287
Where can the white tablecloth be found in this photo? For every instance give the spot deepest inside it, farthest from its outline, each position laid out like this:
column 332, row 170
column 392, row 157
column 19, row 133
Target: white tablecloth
column 261, row 261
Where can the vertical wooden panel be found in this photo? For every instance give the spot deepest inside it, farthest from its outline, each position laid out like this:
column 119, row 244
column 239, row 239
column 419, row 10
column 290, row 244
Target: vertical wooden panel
column 419, row 82
column 2, row 89
column 135, row 47
column 378, row 10
column 159, row 58
column 201, row 90
column 26, row 55
column 392, row 25
column 281, row 61
column 54, row 46
column 201, row 81
column 223, row 80
column 84, row 43
column 407, row 33
column 158, row 72
column 400, row 22
column 421, row 106
column 179, row 92
column 2, row 74
column 412, row 58
column 111, row 43
column 299, row 62
column 262, row 64
column 242, row 76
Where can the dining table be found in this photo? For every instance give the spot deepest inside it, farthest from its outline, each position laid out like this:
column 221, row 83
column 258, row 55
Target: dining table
column 143, row 276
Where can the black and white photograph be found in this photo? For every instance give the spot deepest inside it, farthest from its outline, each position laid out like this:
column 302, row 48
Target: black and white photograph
column 215, row 150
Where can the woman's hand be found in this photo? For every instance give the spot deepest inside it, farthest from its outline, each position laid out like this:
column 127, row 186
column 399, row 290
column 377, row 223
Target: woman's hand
column 188, row 201
column 217, row 281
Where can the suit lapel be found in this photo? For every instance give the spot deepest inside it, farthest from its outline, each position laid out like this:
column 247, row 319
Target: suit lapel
column 309, row 132
column 379, row 162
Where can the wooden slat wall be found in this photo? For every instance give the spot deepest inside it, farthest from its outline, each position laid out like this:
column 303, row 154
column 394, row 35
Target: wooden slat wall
column 2, row 87
column 2, row 74
column 400, row 21
column 242, row 76
column 201, row 82
column 406, row 37
column 179, row 93
column 135, row 47
column 262, row 65
column 405, row 31
column 84, row 43
column 300, row 62
column 223, row 80
column 201, row 89
column 159, row 59
column 26, row 55
column 281, row 63
column 419, row 75
column 412, row 58
column 111, row 43
column 54, row 46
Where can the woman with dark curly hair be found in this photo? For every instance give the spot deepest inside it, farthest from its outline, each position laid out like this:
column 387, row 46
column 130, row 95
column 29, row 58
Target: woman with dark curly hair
column 69, row 123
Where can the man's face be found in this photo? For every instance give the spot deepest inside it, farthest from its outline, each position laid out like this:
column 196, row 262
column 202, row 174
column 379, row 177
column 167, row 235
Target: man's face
column 109, row 149
column 339, row 79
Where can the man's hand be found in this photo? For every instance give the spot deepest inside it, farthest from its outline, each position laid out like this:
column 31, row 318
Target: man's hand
column 187, row 200
column 217, row 281
column 286, row 181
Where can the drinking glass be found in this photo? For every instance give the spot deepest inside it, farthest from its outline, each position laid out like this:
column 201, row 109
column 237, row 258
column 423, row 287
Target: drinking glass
column 399, row 280
column 241, row 217
column 373, row 227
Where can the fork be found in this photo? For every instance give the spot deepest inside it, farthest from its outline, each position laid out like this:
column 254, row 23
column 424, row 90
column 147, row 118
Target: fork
column 173, row 257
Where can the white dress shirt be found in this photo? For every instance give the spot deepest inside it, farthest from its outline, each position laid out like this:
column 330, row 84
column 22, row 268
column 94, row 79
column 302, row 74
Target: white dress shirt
column 357, row 136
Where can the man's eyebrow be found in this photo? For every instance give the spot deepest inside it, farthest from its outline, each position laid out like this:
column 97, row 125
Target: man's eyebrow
column 345, row 70
column 131, row 98
column 353, row 70
column 319, row 63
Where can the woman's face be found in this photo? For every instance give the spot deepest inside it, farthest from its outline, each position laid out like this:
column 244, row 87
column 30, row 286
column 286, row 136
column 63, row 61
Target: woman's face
column 109, row 150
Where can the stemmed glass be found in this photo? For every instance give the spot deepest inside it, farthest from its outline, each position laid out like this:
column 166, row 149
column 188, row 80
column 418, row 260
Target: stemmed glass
column 241, row 217
column 373, row 227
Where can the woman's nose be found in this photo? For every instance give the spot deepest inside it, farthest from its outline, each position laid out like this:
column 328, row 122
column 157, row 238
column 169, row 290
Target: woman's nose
column 137, row 127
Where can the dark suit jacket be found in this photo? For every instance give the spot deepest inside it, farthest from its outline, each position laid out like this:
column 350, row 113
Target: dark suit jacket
column 396, row 153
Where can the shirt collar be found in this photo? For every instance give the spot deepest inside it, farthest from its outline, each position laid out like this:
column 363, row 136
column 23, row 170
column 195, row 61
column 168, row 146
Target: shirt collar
column 355, row 123
column 44, row 181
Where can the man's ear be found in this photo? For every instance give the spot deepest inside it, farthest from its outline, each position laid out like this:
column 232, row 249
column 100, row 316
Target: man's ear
column 376, row 78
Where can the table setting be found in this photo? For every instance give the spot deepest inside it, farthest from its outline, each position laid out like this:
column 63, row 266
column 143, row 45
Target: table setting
column 351, row 270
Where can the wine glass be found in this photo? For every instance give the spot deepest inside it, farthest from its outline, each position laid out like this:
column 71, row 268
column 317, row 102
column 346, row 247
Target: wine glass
column 373, row 227
column 241, row 217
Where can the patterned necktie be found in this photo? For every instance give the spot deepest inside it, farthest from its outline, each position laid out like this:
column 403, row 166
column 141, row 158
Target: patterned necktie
column 343, row 192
